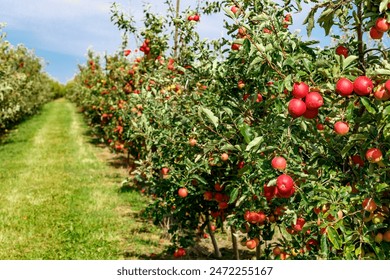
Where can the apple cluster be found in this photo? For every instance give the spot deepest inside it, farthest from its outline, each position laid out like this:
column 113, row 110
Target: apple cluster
column 195, row 17
column 145, row 48
column 304, row 103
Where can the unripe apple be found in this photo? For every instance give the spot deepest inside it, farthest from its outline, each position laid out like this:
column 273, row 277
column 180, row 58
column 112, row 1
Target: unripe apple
column 296, row 107
column 224, row 157
column 192, row 142
column 378, row 218
column 341, row 128
column 341, row 50
column 279, row 163
column 314, row 100
column 344, row 87
column 378, row 237
column 386, row 236
column 363, row 85
column 300, row 90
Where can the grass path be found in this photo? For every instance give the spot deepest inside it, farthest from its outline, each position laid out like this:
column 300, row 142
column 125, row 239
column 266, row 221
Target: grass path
column 58, row 200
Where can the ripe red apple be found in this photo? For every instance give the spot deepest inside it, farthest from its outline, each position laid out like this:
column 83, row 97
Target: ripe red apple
column 259, row 98
column 357, row 160
column 223, row 205
column 311, row 113
column 251, row 244
column 208, row 195
column 224, row 157
column 374, row 155
column 285, row 186
column 299, row 224
column 234, row 9
column 296, row 107
column 375, row 33
column 164, row 170
column 279, row 163
column 341, row 128
column 213, row 228
column 363, row 85
column 300, row 90
column 126, row 52
column 344, row 87
column 311, row 243
column 236, row 47
column 381, row 25
column 387, row 86
column 369, row 205
column 381, row 93
column 341, row 50
column 269, row 192
column 320, row 126
column 196, row 17
column 179, row 253
column 218, row 187
column 314, row 100
column 183, row 192
column 240, row 165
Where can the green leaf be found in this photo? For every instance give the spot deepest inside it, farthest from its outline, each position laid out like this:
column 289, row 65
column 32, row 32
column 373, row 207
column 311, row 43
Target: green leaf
column 383, row 5
column 334, row 238
column 245, row 130
column 233, row 195
column 200, row 179
column 254, row 143
column 211, row 116
column 324, row 246
column 349, row 60
column 346, row 148
column 368, row 105
column 386, row 111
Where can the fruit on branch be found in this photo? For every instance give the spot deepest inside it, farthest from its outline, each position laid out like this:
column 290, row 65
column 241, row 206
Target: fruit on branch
column 296, row 107
column 279, row 163
column 363, row 85
column 341, row 50
column 300, row 90
column 344, row 87
column 314, row 100
column 341, row 128
column 369, row 205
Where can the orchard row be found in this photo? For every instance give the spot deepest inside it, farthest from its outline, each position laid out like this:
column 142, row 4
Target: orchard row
column 24, row 87
column 259, row 135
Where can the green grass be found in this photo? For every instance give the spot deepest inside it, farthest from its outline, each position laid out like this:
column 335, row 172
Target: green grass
column 59, row 200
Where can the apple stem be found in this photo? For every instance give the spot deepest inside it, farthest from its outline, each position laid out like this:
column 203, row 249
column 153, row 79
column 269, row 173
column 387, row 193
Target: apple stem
column 234, row 241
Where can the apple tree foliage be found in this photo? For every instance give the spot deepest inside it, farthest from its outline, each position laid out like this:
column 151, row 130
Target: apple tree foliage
column 210, row 116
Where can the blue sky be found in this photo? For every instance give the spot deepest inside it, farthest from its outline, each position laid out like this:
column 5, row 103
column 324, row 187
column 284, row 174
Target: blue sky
column 61, row 31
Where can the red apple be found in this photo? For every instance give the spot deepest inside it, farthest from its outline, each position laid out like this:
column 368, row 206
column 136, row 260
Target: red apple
column 341, row 50
column 285, row 186
column 387, row 86
column 234, row 9
column 369, row 205
column 236, row 47
column 320, row 126
column 269, row 192
column 164, row 170
column 363, row 85
column 240, row 84
column 299, row 224
column 296, row 107
column 183, row 192
column 218, row 187
column 240, row 165
column 300, row 90
column 276, row 251
column 344, row 87
column 223, row 205
column 311, row 113
column 381, row 93
column 381, row 25
column 279, row 163
column 314, row 100
column 378, row 237
column 341, row 128
column 375, row 33
column 251, row 244
column 374, row 155
column 357, row 160
column 208, row 195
